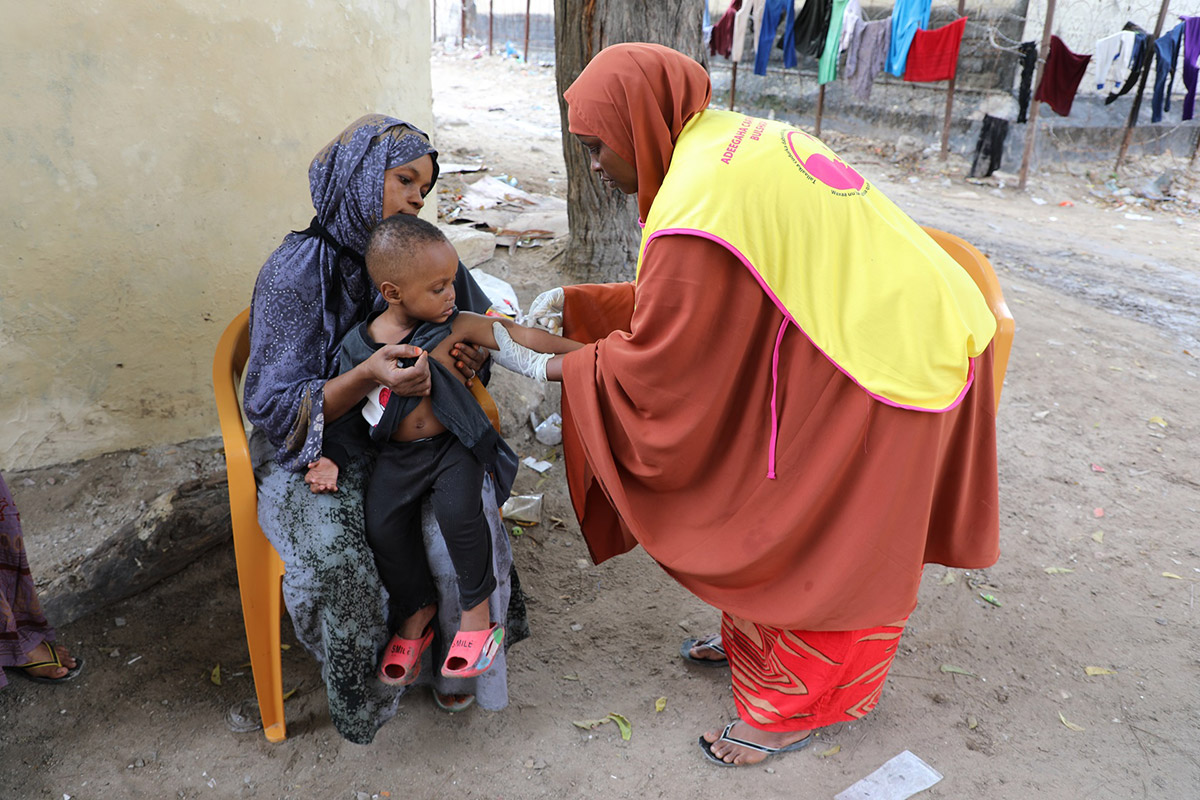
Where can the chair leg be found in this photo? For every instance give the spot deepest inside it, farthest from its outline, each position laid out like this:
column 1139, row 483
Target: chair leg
column 260, row 576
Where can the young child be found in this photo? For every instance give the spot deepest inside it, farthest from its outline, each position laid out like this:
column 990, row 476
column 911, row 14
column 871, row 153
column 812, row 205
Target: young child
column 437, row 446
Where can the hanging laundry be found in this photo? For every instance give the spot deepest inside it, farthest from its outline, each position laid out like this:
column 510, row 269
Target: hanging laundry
column 867, row 54
column 1061, row 77
column 810, row 27
column 721, row 41
column 1166, row 57
column 852, row 17
column 1113, row 50
column 908, row 17
column 1029, row 56
column 827, row 67
column 1191, row 63
column 933, row 55
column 767, row 23
column 740, row 23
column 990, row 147
column 1139, row 62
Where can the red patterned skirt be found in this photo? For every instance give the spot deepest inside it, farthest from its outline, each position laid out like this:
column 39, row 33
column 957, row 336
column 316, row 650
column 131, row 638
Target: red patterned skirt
column 785, row 680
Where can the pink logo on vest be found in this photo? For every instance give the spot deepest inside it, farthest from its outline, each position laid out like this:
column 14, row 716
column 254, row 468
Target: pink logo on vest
column 833, row 172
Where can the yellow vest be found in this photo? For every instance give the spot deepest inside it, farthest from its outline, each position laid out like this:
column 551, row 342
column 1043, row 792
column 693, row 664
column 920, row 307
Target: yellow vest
column 863, row 282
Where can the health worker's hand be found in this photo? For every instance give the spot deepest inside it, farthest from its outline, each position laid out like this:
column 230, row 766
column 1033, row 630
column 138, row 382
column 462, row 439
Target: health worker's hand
column 546, row 312
column 519, row 358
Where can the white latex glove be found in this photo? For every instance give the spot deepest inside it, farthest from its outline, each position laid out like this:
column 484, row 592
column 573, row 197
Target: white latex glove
column 546, row 312
column 518, row 358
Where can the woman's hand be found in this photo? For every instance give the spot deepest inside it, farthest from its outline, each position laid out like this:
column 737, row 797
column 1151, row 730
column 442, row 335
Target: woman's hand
column 546, row 312
column 322, row 476
column 469, row 359
column 411, row 381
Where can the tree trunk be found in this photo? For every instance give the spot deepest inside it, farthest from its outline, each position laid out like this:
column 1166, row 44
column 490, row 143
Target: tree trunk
column 604, row 231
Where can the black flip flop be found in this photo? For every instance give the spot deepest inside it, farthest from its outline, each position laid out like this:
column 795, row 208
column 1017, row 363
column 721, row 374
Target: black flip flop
column 53, row 662
column 685, row 651
column 706, row 747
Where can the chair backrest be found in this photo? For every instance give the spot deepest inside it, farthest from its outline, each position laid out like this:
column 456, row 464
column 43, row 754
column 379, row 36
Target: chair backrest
column 980, row 269
column 229, row 363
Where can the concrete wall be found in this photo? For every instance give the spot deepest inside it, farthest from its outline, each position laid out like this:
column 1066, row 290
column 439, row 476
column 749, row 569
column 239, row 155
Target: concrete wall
column 154, row 152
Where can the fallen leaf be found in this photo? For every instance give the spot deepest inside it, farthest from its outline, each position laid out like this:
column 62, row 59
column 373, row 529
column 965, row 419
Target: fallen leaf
column 288, row 694
column 589, row 724
column 1156, row 420
column 1098, row 468
column 1058, row 570
column 285, row 647
column 958, row 671
column 1172, row 575
column 833, row 751
column 517, row 531
column 1099, row 671
column 972, row 723
column 1098, row 537
column 660, row 704
column 215, row 675
column 243, row 666
column 1070, row 725
column 991, row 598
column 948, row 578
column 623, row 724
column 1099, row 512
column 570, row 677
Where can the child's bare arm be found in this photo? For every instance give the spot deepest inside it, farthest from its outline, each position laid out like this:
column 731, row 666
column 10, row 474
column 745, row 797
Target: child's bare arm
column 477, row 329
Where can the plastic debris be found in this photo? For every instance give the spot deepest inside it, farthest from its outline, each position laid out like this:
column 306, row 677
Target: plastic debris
column 523, row 509
column 549, row 430
column 535, row 465
column 898, row 779
column 1098, row 468
column 991, row 598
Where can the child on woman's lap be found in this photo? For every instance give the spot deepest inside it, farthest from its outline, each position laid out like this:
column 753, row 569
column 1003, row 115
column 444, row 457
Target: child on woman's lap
column 437, row 446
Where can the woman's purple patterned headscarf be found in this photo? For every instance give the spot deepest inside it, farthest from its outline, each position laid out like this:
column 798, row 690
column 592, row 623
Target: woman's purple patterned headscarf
column 313, row 289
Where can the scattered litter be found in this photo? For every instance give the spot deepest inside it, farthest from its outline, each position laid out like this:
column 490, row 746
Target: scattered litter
column 549, row 430
column 535, row 465
column 1098, row 537
column 1137, row 217
column 1058, row 570
column 1038, row 201
column 660, row 705
column 1172, row 575
column 833, row 751
column 575, row 626
column 953, row 670
column 523, row 509
column 1098, row 468
column 450, row 167
column 215, row 675
column 948, row 578
column 1041, row 415
column 972, row 723
column 119, row 622
column 1066, row 204
column 243, row 717
column 1156, row 420
column 500, row 292
column 1099, row 671
column 290, row 692
column 1098, row 512
column 991, row 598
column 898, row 779
column 1070, row 725
column 130, row 661
column 570, row 677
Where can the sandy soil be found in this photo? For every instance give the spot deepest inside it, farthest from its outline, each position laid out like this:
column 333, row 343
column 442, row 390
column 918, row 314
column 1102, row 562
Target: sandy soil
column 1100, row 490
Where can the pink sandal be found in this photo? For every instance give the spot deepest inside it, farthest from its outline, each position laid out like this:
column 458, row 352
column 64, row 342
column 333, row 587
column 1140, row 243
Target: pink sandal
column 473, row 652
column 401, row 662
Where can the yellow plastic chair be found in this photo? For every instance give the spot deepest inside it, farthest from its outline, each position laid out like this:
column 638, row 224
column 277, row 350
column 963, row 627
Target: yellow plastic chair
column 980, row 269
column 260, row 569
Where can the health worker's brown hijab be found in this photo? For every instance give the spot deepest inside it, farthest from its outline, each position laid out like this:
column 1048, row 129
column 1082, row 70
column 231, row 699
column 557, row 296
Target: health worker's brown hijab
column 636, row 99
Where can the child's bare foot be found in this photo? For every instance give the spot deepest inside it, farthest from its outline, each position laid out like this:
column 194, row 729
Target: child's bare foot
column 476, row 619
column 414, row 627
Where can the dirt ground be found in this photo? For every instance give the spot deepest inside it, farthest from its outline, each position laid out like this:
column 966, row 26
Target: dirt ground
column 1100, row 491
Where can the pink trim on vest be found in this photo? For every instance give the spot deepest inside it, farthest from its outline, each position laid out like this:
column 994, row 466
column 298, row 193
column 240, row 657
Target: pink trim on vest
column 787, row 316
column 774, row 395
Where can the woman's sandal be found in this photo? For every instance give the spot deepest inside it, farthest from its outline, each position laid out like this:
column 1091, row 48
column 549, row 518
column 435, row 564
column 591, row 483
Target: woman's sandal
column 54, row 661
column 706, row 747
column 401, row 662
column 473, row 652
column 710, row 642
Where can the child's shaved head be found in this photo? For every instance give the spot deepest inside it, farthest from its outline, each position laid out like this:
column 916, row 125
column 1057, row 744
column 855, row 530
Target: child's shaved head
column 397, row 244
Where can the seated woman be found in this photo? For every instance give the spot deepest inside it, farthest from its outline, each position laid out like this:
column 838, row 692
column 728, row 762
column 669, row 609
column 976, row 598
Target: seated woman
column 26, row 638
column 312, row 290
